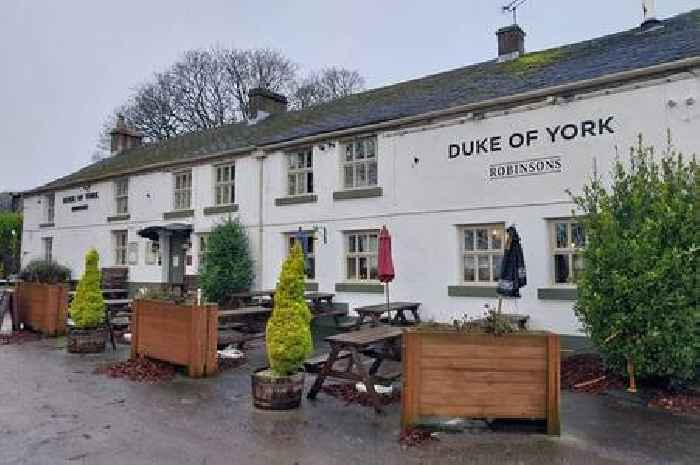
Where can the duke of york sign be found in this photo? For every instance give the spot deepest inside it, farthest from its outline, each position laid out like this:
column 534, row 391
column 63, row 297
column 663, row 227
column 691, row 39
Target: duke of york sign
column 517, row 140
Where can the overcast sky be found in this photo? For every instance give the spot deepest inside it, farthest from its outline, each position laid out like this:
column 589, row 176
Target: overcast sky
column 65, row 65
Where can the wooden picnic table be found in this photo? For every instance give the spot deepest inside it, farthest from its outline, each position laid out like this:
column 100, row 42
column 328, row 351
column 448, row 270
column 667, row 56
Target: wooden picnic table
column 374, row 313
column 244, row 312
column 244, row 297
column 378, row 343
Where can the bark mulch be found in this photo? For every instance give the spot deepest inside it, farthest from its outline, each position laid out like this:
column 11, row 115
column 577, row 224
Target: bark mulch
column 413, row 437
column 141, row 369
column 677, row 402
column 348, row 393
column 19, row 337
column 586, row 373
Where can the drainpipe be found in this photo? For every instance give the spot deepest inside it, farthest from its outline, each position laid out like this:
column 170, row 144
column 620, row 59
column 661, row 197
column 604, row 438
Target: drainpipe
column 260, row 156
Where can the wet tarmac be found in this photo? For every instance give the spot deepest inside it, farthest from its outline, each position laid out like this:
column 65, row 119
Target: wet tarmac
column 54, row 410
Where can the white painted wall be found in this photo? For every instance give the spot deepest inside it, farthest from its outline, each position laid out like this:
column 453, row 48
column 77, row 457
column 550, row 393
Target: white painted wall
column 422, row 204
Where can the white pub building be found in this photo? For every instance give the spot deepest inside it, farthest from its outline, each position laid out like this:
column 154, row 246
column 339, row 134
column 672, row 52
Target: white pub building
column 446, row 162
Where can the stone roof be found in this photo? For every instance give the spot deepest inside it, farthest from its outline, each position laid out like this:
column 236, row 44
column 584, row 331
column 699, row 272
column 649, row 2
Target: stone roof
column 673, row 39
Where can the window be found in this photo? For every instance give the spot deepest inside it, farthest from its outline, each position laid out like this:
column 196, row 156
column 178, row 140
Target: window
column 361, row 255
column 47, row 246
column 120, row 248
column 568, row 239
column 224, row 185
column 202, row 250
column 121, row 196
column 183, row 190
column 153, row 253
column 360, row 163
column 307, row 245
column 300, row 174
column 482, row 250
column 50, row 208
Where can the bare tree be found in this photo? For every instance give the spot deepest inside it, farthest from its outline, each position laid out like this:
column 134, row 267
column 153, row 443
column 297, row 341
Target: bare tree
column 209, row 88
column 249, row 69
column 328, row 84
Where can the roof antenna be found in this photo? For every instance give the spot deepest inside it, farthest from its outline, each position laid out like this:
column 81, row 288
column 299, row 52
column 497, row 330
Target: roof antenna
column 513, row 8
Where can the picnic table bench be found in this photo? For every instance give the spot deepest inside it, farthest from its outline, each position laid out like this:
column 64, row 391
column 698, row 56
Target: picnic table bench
column 374, row 313
column 319, row 300
column 383, row 342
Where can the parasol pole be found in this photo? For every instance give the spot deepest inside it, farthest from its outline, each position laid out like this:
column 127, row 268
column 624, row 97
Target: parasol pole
column 387, row 298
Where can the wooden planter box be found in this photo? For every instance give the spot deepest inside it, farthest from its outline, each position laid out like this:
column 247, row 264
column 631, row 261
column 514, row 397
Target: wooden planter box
column 179, row 334
column 42, row 307
column 453, row 374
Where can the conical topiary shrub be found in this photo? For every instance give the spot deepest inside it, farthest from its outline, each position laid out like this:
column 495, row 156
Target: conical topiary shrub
column 88, row 307
column 289, row 340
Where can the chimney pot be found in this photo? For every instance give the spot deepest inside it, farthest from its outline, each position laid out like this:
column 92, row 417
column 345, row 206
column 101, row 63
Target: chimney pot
column 511, row 42
column 262, row 100
column 123, row 137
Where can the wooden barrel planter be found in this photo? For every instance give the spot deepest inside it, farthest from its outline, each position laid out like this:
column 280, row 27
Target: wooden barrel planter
column 177, row 333
column 86, row 341
column 452, row 374
column 277, row 392
column 42, row 307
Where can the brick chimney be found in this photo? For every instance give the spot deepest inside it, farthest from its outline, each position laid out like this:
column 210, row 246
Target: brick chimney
column 262, row 102
column 511, row 42
column 122, row 137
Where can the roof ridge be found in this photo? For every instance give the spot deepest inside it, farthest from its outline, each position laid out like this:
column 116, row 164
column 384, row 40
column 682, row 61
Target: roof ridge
column 674, row 39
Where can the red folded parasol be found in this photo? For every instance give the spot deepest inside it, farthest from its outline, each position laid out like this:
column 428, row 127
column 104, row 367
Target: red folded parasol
column 385, row 266
column 385, row 269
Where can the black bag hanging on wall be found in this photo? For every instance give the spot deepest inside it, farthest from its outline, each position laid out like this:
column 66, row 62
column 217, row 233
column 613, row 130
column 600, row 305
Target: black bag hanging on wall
column 513, row 275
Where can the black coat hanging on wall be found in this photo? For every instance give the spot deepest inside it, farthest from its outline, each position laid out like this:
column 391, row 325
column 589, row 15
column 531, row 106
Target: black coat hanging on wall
column 513, row 275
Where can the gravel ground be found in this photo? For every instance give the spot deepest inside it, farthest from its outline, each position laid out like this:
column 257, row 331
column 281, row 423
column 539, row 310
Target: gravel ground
column 55, row 410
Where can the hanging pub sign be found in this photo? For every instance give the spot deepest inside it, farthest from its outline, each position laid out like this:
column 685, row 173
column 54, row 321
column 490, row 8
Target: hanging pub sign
column 529, row 138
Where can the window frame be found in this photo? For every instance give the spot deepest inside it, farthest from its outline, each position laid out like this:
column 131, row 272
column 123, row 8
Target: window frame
column 47, row 248
column 354, row 162
column 290, row 238
column 202, row 249
column 571, row 251
column 119, row 250
column 152, row 255
column 229, row 184
column 179, row 191
column 300, row 172
column 121, row 196
column 476, row 253
column 50, row 208
column 357, row 256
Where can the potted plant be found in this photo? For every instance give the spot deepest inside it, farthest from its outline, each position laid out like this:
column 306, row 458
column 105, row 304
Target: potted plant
column 88, row 334
column 280, row 386
column 42, row 297
column 480, row 369
column 177, row 330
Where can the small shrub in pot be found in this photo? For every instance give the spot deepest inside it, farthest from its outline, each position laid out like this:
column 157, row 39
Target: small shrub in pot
column 289, row 341
column 88, row 310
